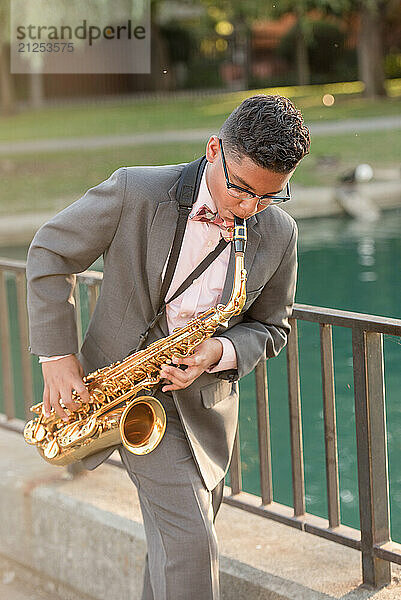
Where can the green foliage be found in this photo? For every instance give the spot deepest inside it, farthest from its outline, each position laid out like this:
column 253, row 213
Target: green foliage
column 4, row 21
column 238, row 10
column 326, row 49
column 192, row 48
column 204, row 73
column 180, row 41
column 392, row 65
column 302, row 7
column 337, row 7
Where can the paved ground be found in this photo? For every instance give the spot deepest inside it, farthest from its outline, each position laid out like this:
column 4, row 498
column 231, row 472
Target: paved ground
column 189, row 135
column 13, row 589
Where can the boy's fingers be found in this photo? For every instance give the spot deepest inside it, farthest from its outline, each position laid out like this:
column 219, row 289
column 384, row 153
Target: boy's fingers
column 81, row 390
column 54, row 401
column 179, row 379
column 67, row 398
column 46, row 402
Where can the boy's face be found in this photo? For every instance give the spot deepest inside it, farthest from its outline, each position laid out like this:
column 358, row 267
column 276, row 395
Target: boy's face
column 244, row 173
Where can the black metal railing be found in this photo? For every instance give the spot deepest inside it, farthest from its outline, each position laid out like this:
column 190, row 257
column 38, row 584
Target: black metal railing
column 13, row 271
column 373, row 538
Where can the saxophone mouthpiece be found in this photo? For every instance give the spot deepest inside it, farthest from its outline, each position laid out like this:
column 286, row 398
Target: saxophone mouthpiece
column 239, row 237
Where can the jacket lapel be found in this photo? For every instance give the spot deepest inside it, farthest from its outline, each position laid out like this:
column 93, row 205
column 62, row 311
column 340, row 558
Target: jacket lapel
column 160, row 240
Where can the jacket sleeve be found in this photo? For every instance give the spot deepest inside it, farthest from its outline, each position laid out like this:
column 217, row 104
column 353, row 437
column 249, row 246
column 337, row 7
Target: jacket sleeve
column 264, row 329
column 67, row 244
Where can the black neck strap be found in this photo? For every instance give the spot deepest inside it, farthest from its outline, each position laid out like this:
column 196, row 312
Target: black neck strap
column 197, row 272
column 187, row 192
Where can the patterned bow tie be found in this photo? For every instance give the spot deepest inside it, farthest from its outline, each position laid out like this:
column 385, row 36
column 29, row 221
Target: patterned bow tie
column 206, row 215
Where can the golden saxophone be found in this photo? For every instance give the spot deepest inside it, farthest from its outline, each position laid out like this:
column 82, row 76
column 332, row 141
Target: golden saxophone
column 114, row 414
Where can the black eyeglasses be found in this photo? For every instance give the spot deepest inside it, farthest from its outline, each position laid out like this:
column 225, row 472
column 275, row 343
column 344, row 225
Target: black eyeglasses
column 241, row 193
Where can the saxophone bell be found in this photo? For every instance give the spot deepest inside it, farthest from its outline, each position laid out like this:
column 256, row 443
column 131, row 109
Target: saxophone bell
column 142, row 425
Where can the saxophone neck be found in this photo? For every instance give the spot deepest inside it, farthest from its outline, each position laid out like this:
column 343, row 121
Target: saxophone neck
column 238, row 293
column 239, row 236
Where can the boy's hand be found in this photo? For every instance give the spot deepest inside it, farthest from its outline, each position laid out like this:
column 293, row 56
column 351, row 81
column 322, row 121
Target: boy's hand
column 60, row 378
column 207, row 354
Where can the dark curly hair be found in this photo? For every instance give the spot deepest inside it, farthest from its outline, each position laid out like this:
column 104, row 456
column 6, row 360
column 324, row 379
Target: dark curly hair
column 269, row 130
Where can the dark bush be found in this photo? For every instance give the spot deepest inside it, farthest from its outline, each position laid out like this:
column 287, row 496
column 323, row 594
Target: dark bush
column 180, row 42
column 329, row 59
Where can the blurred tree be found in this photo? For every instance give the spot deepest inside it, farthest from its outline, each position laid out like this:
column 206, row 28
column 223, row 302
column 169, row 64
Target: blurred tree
column 370, row 46
column 372, row 14
column 7, row 94
column 241, row 15
column 181, row 48
column 302, row 33
column 325, row 48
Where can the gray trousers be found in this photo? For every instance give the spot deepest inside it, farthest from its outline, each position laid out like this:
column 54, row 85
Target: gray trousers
column 178, row 512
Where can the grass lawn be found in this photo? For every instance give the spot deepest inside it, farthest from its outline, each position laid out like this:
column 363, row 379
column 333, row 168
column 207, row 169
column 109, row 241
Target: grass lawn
column 43, row 182
column 184, row 113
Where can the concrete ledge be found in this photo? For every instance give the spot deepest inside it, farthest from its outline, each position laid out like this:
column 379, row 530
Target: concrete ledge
column 323, row 201
column 83, row 539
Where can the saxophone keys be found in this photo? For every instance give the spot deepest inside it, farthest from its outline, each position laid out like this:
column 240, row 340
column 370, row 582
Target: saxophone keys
column 89, row 428
column 29, row 432
column 52, row 449
column 37, row 408
column 34, row 431
column 77, row 432
column 69, row 435
column 89, row 377
column 110, row 388
column 98, row 395
column 40, row 432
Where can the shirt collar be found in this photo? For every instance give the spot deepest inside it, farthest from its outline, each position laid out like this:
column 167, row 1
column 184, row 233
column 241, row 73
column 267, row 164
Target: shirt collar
column 204, row 196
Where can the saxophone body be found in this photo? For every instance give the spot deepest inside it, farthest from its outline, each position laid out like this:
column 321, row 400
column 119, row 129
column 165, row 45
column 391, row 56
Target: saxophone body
column 115, row 413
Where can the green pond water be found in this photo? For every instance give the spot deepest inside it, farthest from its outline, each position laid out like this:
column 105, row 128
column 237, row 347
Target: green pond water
column 343, row 264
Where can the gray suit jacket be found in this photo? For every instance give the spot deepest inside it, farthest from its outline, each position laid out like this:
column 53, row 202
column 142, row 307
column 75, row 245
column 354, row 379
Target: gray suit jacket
column 130, row 218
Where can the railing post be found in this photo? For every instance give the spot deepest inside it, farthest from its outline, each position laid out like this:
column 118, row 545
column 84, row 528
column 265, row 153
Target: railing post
column 235, row 466
column 294, row 398
column 8, row 386
column 262, row 401
column 330, row 429
column 24, row 342
column 371, row 439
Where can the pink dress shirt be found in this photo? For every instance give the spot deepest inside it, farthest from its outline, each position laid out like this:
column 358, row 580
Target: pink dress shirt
column 199, row 240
